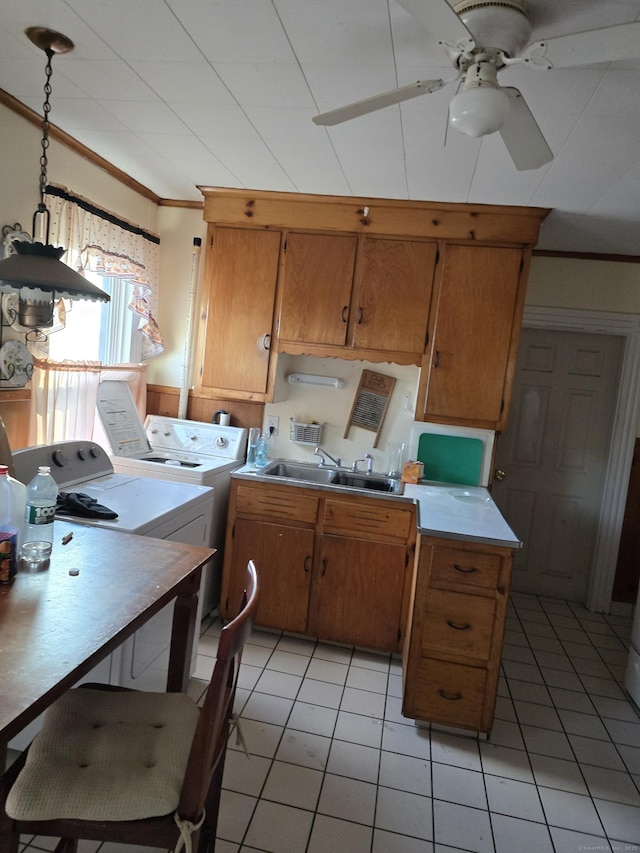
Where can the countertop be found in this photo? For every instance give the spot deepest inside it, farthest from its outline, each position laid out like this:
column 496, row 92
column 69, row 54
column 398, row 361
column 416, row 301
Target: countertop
column 467, row 513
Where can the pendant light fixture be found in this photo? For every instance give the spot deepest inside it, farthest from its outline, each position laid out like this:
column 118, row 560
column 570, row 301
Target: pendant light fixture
column 36, row 271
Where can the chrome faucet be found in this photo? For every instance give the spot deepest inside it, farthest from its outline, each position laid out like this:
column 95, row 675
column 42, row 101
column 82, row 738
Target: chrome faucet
column 322, row 453
column 368, row 458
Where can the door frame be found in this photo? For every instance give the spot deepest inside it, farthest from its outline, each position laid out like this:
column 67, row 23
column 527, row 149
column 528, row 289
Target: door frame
column 623, row 433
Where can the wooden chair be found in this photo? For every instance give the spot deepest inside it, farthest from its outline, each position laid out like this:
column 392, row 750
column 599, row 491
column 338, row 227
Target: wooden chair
column 130, row 766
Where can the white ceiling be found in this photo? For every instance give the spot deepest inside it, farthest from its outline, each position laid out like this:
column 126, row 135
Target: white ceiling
column 222, row 92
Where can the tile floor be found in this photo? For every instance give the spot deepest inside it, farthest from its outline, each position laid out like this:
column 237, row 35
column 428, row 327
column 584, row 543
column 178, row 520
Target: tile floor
column 334, row 767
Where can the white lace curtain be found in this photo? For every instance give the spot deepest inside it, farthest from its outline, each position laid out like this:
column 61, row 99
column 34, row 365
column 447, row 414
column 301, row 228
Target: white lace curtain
column 64, row 398
column 104, row 243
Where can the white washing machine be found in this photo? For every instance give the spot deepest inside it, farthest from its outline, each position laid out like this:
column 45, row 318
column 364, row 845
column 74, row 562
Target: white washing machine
column 180, row 512
column 178, row 450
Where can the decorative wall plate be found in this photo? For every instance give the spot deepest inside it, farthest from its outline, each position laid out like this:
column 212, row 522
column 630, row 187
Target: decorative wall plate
column 16, row 365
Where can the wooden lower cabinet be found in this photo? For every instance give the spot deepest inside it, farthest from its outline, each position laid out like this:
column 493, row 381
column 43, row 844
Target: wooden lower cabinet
column 453, row 645
column 338, row 569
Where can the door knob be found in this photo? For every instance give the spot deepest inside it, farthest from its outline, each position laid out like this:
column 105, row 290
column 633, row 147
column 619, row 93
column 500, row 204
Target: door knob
column 499, row 474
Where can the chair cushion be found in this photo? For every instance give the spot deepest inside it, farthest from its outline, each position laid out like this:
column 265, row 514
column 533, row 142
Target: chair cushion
column 103, row 755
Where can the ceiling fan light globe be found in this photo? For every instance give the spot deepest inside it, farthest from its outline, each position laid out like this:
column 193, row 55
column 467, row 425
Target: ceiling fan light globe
column 478, row 111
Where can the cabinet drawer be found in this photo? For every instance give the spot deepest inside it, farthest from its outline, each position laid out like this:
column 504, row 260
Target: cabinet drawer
column 457, row 624
column 291, row 504
column 452, row 694
column 451, row 568
column 374, row 519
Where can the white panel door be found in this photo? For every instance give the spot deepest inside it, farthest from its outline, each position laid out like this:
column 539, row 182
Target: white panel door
column 553, row 454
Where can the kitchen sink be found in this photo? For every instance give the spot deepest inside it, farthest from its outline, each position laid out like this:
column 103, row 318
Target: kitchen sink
column 365, row 481
column 330, row 476
column 300, row 471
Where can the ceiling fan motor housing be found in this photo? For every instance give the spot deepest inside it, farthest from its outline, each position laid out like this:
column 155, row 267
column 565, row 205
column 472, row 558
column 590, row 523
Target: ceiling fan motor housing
column 502, row 25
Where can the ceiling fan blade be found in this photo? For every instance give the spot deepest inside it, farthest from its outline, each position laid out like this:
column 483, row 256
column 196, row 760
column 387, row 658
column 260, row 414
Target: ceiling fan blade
column 378, row 102
column 522, row 136
column 589, row 47
column 438, row 18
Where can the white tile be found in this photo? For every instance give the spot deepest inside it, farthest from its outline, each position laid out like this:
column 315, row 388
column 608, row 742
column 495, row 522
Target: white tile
column 523, row 671
column 449, row 749
column 554, row 661
column 602, row 687
column 621, row 821
column 312, row 718
column 268, row 639
column 348, row 799
column 267, row 709
column 559, row 678
column 293, row 785
column 513, row 798
column 276, row 828
column 597, row 752
column 408, row 740
column 394, row 687
column 304, row 748
column 323, row 670
column 405, row 773
column 235, row 814
column 627, row 733
column 364, row 702
column 248, row 676
column 392, row 842
column 261, row 738
column 354, row 760
column 245, row 775
column 520, row 654
column 502, row 761
column 334, row 653
column 570, row 841
column 459, row 786
column 393, row 712
column 358, row 729
column 572, row 700
column 543, row 716
column 505, row 733
column 296, row 645
column 504, row 709
column 459, row 826
column 405, row 813
column 570, row 811
column 528, row 692
column 372, row 680
column 613, row 785
column 546, row 742
column 254, row 655
column 320, row 693
column 331, row 835
column 511, row 834
column 370, row 660
column 279, row 683
column 294, row 664
column 631, row 758
column 558, row 773
column 587, row 725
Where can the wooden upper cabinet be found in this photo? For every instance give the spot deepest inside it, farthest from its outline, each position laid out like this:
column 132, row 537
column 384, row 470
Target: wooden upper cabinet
column 392, row 294
column 475, row 324
column 358, row 293
column 316, row 288
column 239, row 292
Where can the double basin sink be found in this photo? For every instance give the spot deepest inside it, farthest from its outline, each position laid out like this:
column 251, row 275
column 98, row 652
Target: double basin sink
column 325, row 475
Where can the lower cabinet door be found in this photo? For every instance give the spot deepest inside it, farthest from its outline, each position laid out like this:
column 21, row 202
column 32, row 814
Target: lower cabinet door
column 447, row 693
column 357, row 593
column 283, row 555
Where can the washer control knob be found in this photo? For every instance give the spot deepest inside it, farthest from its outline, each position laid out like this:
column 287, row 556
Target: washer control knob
column 59, row 458
column 82, row 453
column 94, row 451
column 221, row 441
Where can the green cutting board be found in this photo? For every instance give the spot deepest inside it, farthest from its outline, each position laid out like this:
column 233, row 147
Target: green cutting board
column 451, row 458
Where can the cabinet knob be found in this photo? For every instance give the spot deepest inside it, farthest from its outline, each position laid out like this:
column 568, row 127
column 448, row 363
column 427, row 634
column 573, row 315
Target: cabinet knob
column 345, row 313
column 464, row 627
column 307, row 560
column 499, row 474
column 466, row 570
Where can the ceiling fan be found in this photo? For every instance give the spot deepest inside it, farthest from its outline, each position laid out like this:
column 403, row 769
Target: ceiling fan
column 481, row 37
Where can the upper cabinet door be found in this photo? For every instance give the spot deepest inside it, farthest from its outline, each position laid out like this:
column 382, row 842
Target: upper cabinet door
column 238, row 304
column 475, row 323
column 390, row 307
column 316, row 288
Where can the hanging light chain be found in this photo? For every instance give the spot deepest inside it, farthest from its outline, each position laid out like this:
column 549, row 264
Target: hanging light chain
column 46, row 109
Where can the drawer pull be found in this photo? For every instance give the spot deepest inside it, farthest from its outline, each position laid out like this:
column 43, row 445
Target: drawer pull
column 345, row 315
column 450, row 697
column 306, row 562
column 469, row 570
column 464, row 627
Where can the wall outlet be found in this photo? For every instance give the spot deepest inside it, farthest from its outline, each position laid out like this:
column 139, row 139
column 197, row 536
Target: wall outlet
column 272, row 421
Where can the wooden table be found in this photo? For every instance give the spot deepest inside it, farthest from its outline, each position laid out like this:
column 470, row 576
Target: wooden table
column 56, row 626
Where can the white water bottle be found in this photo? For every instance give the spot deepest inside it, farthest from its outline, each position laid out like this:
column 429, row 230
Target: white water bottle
column 10, row 526
column 42, row 496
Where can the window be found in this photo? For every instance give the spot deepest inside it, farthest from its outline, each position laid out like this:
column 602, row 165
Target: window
column 99, row 331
